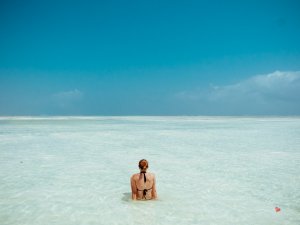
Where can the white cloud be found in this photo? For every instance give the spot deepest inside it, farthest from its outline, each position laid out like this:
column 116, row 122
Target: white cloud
column 261, row 94
column 67, row 98
column 69, row 95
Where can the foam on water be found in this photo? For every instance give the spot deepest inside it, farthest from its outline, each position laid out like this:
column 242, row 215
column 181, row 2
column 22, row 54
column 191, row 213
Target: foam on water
column 210, row 170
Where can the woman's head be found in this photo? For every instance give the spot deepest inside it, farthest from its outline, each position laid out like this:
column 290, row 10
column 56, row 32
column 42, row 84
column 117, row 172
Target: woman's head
column 143, row 164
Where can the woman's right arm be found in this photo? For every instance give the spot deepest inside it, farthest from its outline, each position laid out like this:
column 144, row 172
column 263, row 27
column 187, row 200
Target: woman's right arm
column 133, row 188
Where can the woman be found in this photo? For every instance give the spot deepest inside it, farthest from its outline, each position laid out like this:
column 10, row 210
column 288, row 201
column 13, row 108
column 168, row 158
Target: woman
column 143, row 183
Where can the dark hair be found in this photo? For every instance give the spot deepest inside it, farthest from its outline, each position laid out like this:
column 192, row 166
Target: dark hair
column 143, row 164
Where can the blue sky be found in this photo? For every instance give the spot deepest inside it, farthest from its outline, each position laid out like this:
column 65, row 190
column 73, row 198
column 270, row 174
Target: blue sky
column 149, row 57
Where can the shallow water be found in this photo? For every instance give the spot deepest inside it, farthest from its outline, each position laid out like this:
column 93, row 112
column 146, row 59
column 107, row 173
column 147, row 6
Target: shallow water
column 210, row 170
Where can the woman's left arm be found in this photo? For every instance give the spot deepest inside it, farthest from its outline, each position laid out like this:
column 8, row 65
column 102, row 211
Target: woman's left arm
column 154, row 193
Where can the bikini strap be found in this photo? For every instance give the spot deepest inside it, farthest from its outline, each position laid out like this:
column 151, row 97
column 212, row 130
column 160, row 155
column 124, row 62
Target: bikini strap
column 145, row 190
column 145, row 179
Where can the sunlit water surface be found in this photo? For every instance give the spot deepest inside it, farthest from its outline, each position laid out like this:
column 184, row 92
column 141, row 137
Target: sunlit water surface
column 210, row 170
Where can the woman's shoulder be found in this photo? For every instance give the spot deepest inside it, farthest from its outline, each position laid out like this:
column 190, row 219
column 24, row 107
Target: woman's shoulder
column 150, row 174
column 136, row 175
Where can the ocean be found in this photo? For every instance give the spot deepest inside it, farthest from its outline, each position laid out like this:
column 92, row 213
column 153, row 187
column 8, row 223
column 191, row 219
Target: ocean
column 209, row 170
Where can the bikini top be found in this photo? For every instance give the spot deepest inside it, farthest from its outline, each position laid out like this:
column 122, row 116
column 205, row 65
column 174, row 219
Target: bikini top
column 144, row 190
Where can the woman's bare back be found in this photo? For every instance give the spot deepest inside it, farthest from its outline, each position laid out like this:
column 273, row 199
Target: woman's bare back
column 143, row 184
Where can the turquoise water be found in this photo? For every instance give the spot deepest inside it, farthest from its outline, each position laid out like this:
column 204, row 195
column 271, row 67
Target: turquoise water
column 210, row 170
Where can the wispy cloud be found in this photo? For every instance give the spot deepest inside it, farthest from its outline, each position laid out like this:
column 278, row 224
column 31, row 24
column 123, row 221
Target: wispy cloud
column 67, row 98
column 69, row 95
column 274, row 93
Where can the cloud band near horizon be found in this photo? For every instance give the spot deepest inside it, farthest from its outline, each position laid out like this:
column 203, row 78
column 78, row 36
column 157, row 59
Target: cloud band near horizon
column 276, row 93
